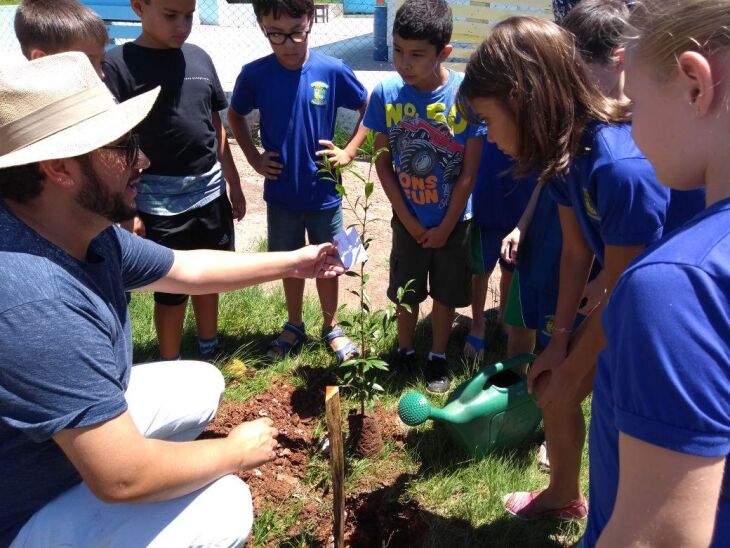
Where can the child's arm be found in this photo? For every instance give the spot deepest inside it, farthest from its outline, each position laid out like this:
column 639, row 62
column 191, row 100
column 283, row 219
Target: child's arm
column 238, row 200
column 384, row 168
column 264, row 164
column 511, row 244
column 340, row 157
column 436, row 237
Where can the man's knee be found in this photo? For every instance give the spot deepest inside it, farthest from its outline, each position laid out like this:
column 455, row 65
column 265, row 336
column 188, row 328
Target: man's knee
column 231, row 517
column 205, row 382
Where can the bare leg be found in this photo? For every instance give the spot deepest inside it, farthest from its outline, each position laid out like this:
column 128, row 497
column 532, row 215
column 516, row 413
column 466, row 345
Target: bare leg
column 504, row 282
column 407, row 326
column 294, row 295
column 169, row 323
column 206, row 315
column 328, row 289
column 480, row 286
column 442, row 318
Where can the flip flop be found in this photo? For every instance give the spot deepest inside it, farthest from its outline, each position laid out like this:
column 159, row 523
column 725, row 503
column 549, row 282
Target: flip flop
column 348, row 351
column 520, row 505
column 279, row 348
column 477, row 344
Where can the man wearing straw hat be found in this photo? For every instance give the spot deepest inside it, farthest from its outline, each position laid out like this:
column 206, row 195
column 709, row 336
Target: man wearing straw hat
column 92, row 450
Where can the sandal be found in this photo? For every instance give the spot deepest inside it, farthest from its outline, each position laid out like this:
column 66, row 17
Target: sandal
column 520, row 505
column 477, row 346
column 279, row 348
column 348, row 351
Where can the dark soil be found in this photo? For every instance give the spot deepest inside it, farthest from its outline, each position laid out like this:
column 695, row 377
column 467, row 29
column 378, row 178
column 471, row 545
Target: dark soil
column 376, row 512
column 366, row 436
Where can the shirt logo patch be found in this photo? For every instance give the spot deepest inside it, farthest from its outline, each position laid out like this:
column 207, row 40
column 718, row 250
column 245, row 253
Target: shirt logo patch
column 590, row 207
column 319, row 93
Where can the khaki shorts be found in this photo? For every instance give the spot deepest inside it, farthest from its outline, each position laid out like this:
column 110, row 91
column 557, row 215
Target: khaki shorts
column 444, row 273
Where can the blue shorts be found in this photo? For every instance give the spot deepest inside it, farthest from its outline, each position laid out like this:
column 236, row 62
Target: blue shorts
column 286, row 228
column 486, row 244
column 531, row 308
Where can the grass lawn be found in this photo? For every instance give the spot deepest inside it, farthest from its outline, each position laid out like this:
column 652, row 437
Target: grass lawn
column 459, row 499
column 9, row 2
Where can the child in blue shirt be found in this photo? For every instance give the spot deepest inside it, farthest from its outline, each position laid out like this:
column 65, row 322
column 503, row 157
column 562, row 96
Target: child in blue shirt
column 297, row 92
column 660, row 419
column 182, row 198
column 498, row 202
column 427, row 172
column 610, row 206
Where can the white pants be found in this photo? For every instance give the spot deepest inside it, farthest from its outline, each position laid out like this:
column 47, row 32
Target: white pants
column 172, row 401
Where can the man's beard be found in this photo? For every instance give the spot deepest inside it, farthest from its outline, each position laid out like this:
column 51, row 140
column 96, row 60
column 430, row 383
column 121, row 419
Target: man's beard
column 97, row 198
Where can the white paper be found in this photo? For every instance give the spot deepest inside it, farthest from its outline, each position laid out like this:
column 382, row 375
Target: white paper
column 350, row 248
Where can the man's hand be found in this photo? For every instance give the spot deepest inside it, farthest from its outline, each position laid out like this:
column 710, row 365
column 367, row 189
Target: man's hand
column 266, row 165
column 511, row 246
column 238, row 202
column 318, row 261
column 255, row 441
column 338, row 157
column 434, row 238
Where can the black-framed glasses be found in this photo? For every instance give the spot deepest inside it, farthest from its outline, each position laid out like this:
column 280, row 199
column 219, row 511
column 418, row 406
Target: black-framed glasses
column 131, row 148
column 278, row 38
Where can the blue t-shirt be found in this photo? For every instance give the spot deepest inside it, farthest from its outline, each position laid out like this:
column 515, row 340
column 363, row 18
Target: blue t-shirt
column 427, row 137
column 664, row 377
column 613, row 190
column 297, row 109
column 539, row 254
column 66, row 350
column 683, row 206
column 498, row 199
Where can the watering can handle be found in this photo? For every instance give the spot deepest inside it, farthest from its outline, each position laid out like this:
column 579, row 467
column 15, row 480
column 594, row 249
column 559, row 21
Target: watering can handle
column 477, row 383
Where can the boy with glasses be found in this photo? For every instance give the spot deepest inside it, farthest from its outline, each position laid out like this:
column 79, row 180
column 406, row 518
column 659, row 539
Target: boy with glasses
column 182, row 196
column 297, row 93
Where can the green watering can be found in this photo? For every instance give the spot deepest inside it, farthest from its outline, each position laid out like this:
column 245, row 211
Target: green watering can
column 491, row 411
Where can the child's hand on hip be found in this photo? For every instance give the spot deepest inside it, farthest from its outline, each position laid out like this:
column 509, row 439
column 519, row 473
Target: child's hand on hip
column 268, row 167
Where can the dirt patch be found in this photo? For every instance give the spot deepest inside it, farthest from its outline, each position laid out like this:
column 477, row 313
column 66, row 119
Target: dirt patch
column 366, row 435
column 376, row 513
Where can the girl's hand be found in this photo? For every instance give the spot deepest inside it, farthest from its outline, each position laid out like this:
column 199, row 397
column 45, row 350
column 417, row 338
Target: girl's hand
column 511, row 246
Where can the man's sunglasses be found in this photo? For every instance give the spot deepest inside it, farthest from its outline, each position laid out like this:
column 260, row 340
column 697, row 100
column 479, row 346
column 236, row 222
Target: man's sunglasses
column 131, row 148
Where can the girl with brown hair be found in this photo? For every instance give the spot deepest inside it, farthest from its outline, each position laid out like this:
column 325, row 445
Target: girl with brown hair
column 528, row 82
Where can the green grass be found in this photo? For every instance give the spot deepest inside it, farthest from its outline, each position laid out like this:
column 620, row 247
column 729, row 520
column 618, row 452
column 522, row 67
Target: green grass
column 9, row 2
column 461, row 498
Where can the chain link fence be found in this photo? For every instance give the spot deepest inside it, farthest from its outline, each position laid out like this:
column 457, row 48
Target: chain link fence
column 228, row 31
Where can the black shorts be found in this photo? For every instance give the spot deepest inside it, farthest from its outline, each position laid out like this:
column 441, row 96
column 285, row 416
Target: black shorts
column 206, row 227
column 444, row 273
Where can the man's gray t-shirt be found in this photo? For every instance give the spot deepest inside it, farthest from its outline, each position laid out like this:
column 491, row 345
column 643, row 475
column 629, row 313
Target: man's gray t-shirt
column 65, row 353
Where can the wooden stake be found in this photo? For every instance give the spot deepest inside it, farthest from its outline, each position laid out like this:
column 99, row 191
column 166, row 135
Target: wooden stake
column 337, row 461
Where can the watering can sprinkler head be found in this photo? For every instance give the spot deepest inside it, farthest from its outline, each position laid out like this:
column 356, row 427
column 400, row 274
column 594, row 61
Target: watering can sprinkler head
column 414, row 409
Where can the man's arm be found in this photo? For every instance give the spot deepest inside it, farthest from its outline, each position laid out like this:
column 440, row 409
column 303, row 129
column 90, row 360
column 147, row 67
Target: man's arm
column 384, row 169
column 238, row 200
column 120, row 465
column 204, row 271
column 264, row 164
column 437, row 236
column 664, row 498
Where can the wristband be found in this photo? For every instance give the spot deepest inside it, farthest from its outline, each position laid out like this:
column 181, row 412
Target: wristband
column 562, row 330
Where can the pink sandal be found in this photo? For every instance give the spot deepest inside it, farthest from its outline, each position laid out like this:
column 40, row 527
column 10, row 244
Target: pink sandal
column 520, row 505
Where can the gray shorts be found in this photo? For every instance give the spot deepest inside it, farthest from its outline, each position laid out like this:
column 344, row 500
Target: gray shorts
column 443, row 273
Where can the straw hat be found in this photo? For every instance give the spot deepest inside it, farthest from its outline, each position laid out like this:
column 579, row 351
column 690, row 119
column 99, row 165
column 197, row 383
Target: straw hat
column 57, row 107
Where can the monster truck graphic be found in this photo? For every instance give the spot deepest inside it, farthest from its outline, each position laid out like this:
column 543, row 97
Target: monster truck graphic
column 423, row 145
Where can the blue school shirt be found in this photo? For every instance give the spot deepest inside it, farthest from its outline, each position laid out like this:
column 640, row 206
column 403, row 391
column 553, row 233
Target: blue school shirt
column 499, row 199
column 683, row 206
column 297, row 109
column 427, row 137
column 613, row 190
column 664, row 376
